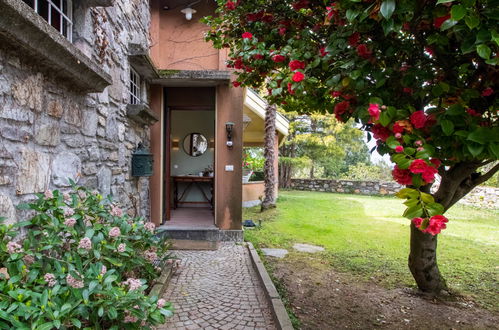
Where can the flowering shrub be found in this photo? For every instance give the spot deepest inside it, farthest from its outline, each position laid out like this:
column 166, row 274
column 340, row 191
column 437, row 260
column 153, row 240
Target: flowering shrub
column 80, row 263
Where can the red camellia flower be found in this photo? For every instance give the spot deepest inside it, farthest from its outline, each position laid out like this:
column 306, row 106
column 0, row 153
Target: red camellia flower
column 298, row 76
column 290, row 89
column 399, row 149
column 407, row 90
column 374, row 111
column 436, row 162
column 429, row 174
column 417, row 222
column 398, row 129
column 429, row 51
column 436, row 224
column 340, row 109
column 487, row 91
column 335, row 93
column 437, row 22
column 282, row 31
column 247, row 35
column 473, row 113
column 258, row 56
column 236, row 83
column 363, row 51
column 353, row 40
column 278, row 58
column 323, row 52
column 418, row 166
column 238, row 64
column 295, row 65
column 418, row 119
column 380, row 132
column 230, row 5
column 403, row 177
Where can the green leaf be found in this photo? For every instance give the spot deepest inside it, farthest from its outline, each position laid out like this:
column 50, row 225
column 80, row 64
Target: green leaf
column 45, row 297
column 494, row 149
column 495, row 37
column 457, row 12
column 448, row 24
column 384, row 118
column 484, row 51
column 110, row 279
column 455, row 110
column 113, row 314
column 387, row 8
column 65, row 308
column 46, row 326
column 479, row 135
column 76, row 323
column 475, row 149
column 402, row 162
column 447, row 127
column 100, row 312
column 57, row 324
column 392, row 142
column 472, row 21
column 407, row 193
column 89, row 233
column 444, row 1
column 351, row 14
column 413, row 212
column 434, row 209
column 427, row 198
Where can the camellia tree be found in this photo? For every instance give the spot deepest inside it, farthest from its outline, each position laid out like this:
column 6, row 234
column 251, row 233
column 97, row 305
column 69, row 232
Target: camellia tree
column 419, row 75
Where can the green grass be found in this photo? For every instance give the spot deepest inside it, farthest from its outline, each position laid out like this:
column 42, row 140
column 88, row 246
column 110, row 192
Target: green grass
column 367, row 236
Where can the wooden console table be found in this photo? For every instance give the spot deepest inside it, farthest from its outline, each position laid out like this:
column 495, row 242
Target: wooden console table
column 191, row 181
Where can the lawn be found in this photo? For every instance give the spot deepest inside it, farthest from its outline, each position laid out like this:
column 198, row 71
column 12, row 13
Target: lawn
column 366, row 236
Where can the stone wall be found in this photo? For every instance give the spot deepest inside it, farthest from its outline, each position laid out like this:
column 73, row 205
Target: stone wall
column 348, row 187
column 487, row 197
column 50, row 132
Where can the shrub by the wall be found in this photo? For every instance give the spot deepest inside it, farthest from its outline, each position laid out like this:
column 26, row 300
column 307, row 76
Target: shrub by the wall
column 79, row 262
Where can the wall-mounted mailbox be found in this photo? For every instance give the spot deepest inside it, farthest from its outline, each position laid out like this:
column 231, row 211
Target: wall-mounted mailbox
column 141, row 161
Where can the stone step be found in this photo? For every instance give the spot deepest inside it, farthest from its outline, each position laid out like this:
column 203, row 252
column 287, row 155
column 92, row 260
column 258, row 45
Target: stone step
column 183, row 238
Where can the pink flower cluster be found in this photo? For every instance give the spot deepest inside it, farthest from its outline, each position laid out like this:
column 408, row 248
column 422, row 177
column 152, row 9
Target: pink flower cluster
column 28, row 259
column 73, row 282
column 121, row 248
column 13, row 247
column 115, row 232
column 132, row 283
column 150, row 256
column 70, row 222
column 85, row 243
column 48, row 194
column 50, row 279
column 68, row 212
column 129, row 318
column 116, row 211
column 374, row 111
column 161, row 303
column 150, row 226
column 434, row 225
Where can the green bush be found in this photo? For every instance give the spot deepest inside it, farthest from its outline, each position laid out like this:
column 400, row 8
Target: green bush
column 257, row 176
column 79, row 262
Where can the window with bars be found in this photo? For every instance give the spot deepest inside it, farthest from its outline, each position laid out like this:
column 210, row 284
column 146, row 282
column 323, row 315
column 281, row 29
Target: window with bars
column 135, row 85
column 58, row 13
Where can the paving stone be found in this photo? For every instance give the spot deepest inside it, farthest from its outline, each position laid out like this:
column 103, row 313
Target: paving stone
column 212, row 287
column 308, row 248
column 277, row 253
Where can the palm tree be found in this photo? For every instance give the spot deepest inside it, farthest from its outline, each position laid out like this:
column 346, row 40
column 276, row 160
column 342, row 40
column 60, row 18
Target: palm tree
column 269, row 154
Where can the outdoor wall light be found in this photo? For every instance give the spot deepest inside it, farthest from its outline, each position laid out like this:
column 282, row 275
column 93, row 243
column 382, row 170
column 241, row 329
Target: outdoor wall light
column 175, row 144
column 188, row 13
column 229, row 127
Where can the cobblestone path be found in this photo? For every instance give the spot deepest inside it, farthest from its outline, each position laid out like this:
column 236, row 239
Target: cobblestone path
column 217, row 290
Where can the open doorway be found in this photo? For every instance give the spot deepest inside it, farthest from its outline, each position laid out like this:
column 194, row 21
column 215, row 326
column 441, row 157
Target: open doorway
column 190, row 170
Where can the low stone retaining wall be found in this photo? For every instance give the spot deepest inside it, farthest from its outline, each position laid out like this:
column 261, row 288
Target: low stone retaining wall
column 486, row 197
column 345, row 186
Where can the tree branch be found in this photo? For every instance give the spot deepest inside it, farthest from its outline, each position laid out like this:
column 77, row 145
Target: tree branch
column 484, row 177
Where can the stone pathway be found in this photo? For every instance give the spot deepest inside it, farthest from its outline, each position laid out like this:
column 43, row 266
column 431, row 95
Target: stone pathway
column 217, row 290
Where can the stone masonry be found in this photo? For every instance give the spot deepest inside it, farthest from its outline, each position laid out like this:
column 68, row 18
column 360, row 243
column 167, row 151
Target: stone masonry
column 487, row 197
column 50, row 131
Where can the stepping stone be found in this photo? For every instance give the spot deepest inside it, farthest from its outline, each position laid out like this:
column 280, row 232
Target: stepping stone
column 307, row 248
column 277, row 253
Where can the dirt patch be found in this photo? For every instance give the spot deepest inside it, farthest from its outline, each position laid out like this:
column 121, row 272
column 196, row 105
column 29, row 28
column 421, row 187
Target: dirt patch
column 324, row 299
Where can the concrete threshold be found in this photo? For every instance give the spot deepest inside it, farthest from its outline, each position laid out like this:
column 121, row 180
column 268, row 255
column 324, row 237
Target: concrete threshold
column 279, row 312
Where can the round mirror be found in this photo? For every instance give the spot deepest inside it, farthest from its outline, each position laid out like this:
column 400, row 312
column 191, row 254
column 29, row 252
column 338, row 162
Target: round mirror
column 195, row 144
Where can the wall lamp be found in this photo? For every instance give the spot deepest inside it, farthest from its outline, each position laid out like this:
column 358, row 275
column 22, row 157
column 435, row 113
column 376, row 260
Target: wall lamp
column 188, row 13
column 229, row 127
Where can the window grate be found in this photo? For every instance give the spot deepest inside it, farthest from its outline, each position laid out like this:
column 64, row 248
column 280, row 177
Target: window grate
column 134, row 87
column 58, row 13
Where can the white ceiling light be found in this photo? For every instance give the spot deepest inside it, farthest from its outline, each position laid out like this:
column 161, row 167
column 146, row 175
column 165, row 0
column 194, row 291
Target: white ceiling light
column 188, row 13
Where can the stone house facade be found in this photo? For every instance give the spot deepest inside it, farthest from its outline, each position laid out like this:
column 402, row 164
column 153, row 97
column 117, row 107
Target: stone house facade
column 65, row 99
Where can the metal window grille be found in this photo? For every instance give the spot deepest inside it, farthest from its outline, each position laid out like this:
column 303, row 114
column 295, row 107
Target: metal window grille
column 58, row 13
column 134, row 87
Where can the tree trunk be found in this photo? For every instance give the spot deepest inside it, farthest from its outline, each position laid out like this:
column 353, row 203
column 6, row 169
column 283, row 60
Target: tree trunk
column 423, row 262
column 311, row 171
column 269, row 154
